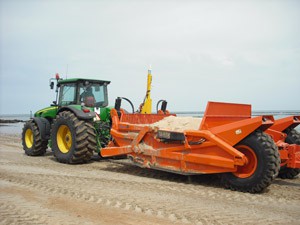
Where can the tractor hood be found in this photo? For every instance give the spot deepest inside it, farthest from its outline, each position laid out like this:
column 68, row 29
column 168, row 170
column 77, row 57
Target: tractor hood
column 48, row 112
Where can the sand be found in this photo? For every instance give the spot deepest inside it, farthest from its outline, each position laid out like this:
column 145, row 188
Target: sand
column 39, row 190
column 179, row 124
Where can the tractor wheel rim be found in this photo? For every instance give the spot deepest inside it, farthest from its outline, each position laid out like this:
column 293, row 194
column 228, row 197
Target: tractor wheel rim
column 29, row 138
column 64, row 139
column 249, row 169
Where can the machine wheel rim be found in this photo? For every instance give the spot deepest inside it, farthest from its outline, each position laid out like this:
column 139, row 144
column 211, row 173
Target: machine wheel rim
column 249, row 169
column 64, row 139
column 29, row 138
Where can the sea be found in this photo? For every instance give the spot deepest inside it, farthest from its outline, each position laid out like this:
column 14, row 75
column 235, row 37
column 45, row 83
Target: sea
column 13, row 128
column 16, row 128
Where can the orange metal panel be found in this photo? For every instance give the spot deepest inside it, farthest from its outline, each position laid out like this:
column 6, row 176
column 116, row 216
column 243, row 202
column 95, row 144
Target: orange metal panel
column 115, row 151
column 294, row 156
column 285, row 123
column 217, row 141
column 232, row 122
column 289, row 154
column 142, row 118
column 283, row 156
column 234, row 132
column 276, row 135
column 219, row 113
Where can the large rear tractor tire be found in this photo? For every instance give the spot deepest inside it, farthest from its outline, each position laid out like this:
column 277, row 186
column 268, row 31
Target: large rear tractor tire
column 92, row 145
column 262, row 167
column 70, row 139
column 293, row 137
column 32, row 142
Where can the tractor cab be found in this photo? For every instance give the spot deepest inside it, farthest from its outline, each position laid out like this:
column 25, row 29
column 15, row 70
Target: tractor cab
column 84, row 92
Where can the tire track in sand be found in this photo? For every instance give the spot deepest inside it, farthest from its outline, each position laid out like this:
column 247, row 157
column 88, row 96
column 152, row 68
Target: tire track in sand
column 77, row 188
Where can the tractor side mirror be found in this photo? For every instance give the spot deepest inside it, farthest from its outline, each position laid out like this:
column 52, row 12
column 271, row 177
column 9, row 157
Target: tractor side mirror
column 52, row 85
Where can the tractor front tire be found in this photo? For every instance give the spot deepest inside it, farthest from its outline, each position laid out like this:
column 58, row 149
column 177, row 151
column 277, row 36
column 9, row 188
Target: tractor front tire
column 262, row 167
column 70, row 139
column 32, row 142
column 293, row 137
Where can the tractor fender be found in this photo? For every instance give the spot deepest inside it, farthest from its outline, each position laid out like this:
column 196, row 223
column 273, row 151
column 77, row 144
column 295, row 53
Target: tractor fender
column 44, row 127
column 79, row 113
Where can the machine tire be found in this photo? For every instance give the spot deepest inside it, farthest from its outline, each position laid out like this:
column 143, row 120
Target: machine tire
column 263, row 166
column 288, row 173
column 293, row 137
column 92, row 143
column 70, row 139
column 32, row 142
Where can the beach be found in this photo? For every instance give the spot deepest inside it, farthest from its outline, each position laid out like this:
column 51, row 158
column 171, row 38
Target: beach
column 39, row 190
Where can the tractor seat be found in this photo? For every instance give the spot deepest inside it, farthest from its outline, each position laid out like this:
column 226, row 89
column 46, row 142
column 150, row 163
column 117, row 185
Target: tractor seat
column 89, row 101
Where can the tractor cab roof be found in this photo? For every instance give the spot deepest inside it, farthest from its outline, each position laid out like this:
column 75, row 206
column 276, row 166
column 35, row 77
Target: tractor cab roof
column 81, row 80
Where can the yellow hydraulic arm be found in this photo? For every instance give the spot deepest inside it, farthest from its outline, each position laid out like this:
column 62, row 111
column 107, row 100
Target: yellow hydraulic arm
column 146, row 106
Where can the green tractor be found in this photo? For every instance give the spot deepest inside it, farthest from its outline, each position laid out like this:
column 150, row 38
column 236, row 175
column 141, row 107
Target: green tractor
column 75, row 126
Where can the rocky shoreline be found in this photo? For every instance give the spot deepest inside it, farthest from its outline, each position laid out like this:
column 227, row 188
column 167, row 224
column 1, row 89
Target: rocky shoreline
column 11, row 121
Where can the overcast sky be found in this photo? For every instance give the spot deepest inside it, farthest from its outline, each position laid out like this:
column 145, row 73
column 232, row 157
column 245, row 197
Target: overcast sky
column 232, row 51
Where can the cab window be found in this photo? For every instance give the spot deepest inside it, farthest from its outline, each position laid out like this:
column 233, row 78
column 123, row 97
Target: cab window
column 68, row 94
column 92, row 95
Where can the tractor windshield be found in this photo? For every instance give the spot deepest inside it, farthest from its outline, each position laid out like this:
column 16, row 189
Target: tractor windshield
column 93, row 95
